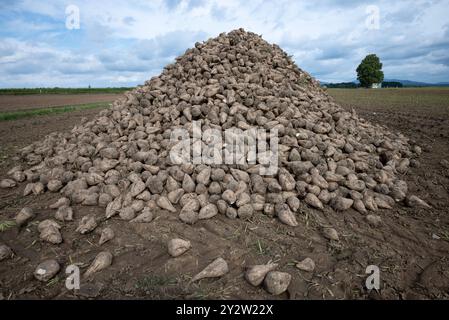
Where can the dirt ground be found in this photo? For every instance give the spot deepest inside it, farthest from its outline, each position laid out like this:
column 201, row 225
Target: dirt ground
column 25, row 102
column 411, row 247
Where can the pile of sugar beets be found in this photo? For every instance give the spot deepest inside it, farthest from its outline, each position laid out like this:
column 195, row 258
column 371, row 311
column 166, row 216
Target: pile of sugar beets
column 327, row 157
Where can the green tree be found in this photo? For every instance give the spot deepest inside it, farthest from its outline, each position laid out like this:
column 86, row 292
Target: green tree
column 370, row 71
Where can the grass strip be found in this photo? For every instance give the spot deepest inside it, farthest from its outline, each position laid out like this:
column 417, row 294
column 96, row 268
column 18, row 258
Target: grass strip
column 15, row 115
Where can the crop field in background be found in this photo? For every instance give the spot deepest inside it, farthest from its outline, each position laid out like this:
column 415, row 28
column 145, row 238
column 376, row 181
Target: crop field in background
column 421, row 100
column 15, row 115
column 14, row 103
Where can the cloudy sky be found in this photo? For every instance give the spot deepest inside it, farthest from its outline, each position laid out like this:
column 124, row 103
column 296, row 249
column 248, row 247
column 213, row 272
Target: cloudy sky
column 123, row 43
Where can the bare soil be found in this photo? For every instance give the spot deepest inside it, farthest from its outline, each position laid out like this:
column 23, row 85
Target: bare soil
column 411, row 247
column 26, row 102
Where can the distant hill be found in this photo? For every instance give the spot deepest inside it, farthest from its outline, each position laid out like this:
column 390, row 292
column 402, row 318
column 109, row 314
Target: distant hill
column 341, row 85
column 408, row 83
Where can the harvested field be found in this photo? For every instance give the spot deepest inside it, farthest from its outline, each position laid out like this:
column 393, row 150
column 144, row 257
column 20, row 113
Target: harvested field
column 40, row 91
column 26, row 102
column 424, row 101
column 409, row 244
column 26, row 130
column 412, row 260
column 29, row 113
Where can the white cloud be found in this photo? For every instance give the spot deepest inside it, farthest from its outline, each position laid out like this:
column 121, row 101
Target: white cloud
column 133, row 40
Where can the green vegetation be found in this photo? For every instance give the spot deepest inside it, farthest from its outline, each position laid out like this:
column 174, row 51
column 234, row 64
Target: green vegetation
column 261, row 248
column 56, row 90
column 152, row 281
column 353, row 85
column 52, row 282
column 370, row 71
column 343, row 85
column 7, row 224
column 15, row 115
column 385, row 84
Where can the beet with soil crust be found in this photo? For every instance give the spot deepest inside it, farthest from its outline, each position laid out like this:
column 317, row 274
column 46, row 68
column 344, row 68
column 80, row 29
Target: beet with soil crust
column 101, row 261
column 256, row 274
column 217, row 268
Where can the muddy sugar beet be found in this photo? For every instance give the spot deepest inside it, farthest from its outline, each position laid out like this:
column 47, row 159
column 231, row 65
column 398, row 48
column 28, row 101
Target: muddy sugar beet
column 217, row 268
column 256, row 274
column 5, row 252
column 177, row 247
column 326, row 157
column 101, row 261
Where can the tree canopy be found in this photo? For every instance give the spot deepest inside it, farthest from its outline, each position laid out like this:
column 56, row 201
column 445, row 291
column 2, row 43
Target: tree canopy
column 370, row 71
